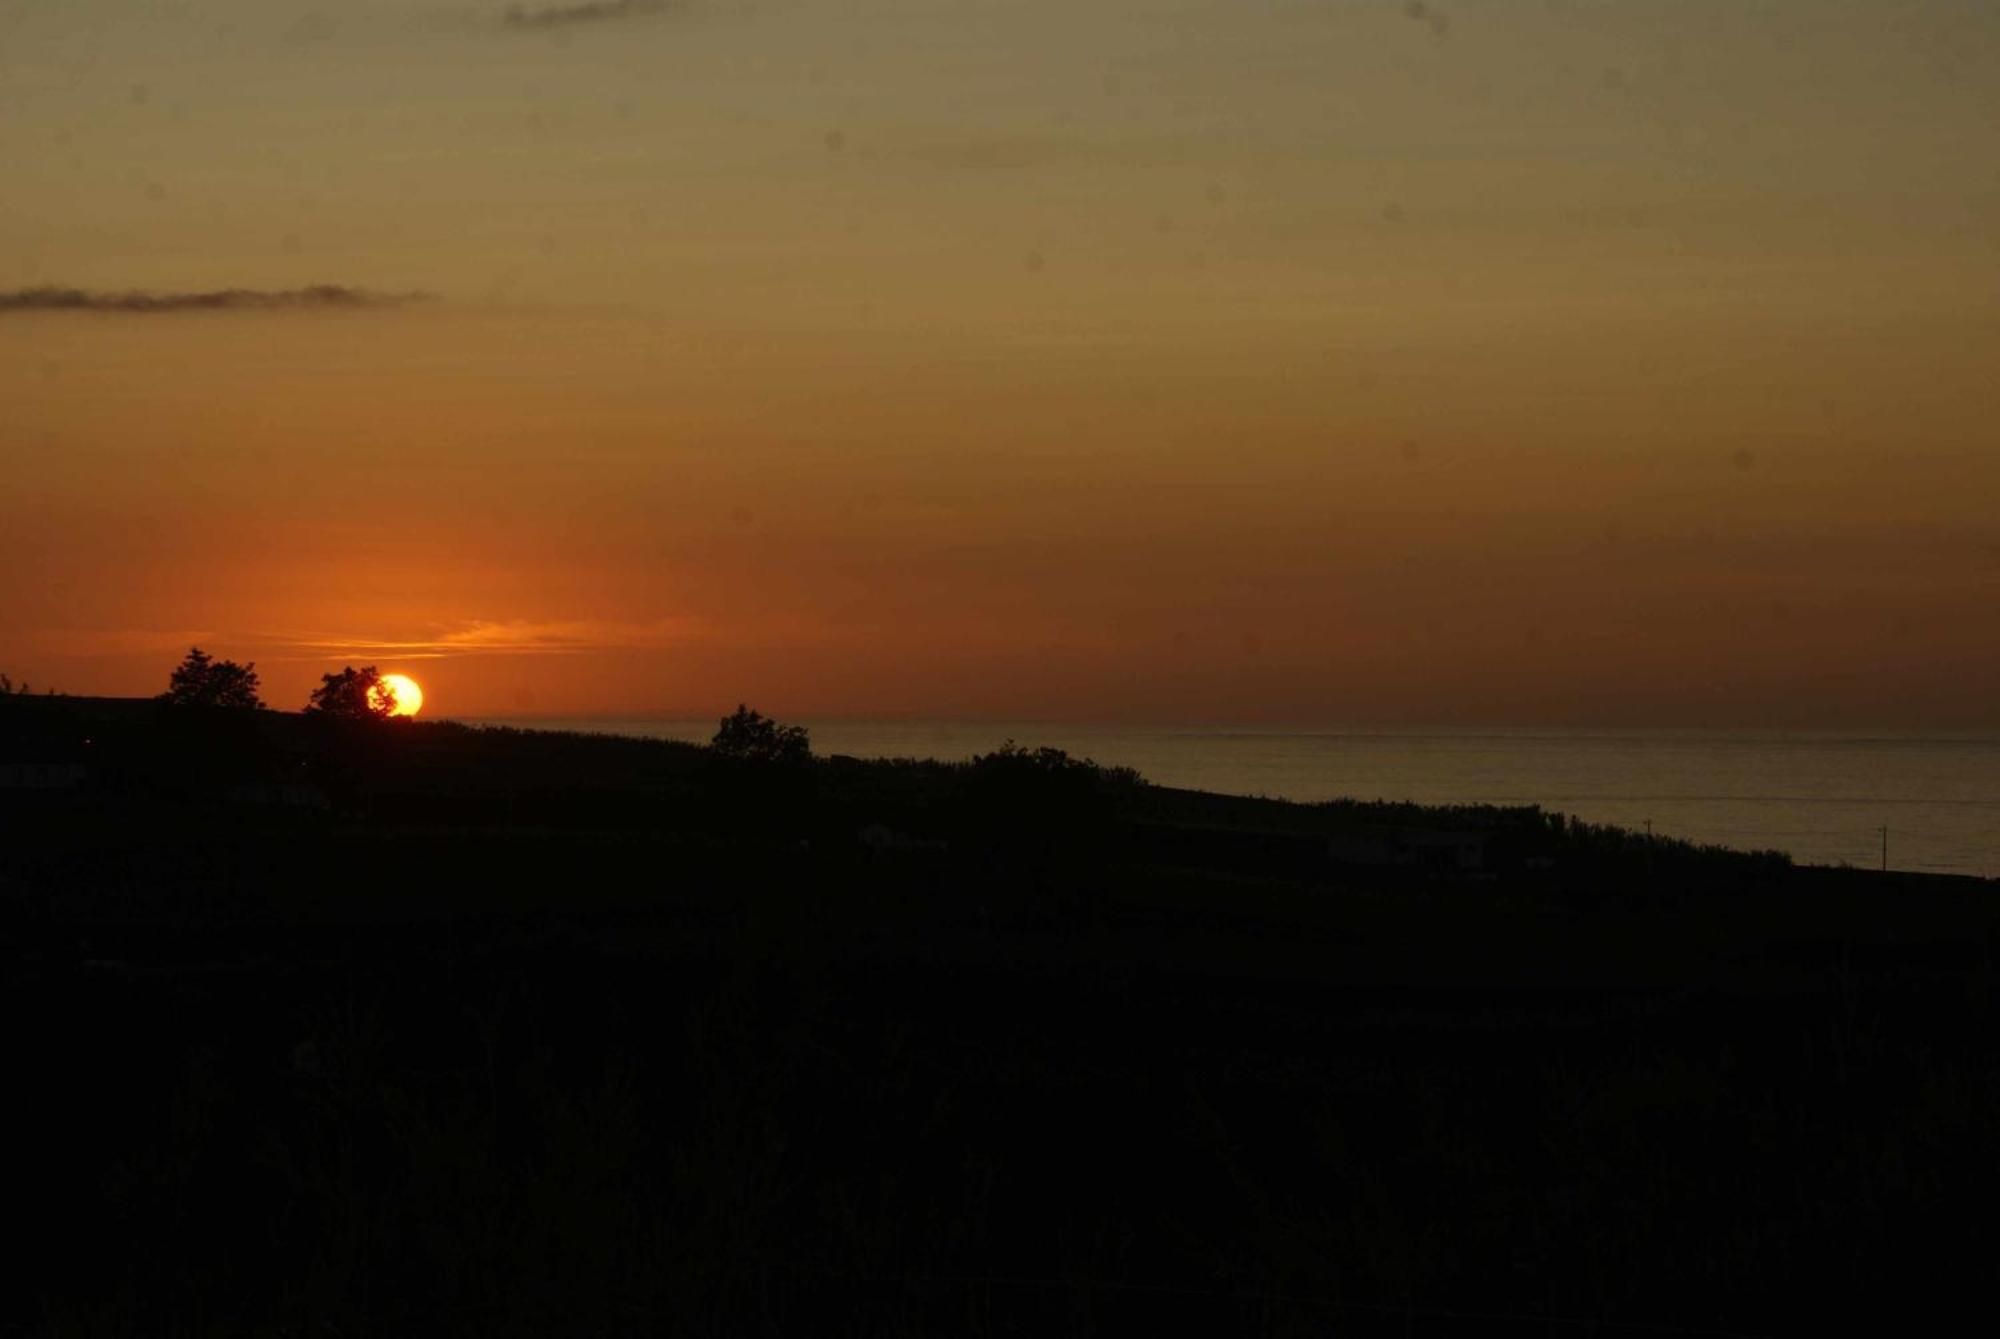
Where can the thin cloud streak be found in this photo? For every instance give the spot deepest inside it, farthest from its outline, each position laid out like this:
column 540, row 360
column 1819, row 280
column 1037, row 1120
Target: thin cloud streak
column 316, row 297
column 514, row 638
column 595, row 11
column 518, row 637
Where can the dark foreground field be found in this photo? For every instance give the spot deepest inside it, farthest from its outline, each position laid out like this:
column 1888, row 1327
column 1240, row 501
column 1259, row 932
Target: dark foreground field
column 426, row 1031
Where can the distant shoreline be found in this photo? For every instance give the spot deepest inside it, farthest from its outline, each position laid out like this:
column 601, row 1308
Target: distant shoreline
column 1200, row 763
column 1822, row 795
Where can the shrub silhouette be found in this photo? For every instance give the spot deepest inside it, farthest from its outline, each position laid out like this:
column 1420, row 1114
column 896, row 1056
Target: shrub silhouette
column 749, row 736
column 760, row 781
column 202, row 681
column 1036, row 804
column 8, row 688
column 1048, row 770
column 353, row 694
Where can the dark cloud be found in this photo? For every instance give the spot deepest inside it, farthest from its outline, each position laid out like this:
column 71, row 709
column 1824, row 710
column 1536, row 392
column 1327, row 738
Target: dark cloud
column 316, row 297
column 591, row 11
column 1439, row 21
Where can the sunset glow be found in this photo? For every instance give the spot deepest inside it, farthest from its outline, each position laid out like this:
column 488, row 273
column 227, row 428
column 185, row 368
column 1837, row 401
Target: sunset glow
column 1084, row 662
column 403, row 694
column 1283, row 362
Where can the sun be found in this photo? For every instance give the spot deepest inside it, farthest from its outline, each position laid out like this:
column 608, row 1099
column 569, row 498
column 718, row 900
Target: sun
column 400, row 691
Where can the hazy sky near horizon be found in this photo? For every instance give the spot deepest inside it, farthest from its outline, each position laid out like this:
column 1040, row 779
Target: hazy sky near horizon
column 1287, row 360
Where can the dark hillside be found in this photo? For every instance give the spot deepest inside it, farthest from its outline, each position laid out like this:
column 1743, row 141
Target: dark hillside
column 420, row 1029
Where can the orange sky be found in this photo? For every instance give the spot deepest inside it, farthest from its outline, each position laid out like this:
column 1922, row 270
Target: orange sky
column 1613, row 362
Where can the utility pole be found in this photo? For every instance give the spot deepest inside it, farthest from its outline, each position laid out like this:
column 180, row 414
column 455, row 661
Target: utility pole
column 1885, row 848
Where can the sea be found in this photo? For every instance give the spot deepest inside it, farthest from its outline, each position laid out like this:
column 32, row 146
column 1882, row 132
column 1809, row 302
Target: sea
column 1918, row 802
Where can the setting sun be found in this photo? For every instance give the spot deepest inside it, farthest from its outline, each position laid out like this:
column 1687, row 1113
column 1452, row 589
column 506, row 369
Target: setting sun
column 404, row 696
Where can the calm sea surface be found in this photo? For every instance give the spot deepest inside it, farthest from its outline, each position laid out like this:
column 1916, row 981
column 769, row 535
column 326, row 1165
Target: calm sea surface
column 1824, row 798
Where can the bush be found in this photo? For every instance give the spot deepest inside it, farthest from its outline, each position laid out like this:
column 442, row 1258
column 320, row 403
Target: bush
column 749, row 736
column 1036, row 804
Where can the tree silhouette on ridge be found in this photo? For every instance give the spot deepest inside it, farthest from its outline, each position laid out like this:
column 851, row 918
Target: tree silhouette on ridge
column 353, row 694
column 200, row 680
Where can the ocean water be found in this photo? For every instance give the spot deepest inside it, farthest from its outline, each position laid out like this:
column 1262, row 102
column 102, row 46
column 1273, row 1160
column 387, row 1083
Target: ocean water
column 1824, row 798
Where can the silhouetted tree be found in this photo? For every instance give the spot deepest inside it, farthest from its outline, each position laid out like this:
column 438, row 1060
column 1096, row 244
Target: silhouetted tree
column 202, row 681
column 1038, row 804
column 749, row 736
column 353, row 694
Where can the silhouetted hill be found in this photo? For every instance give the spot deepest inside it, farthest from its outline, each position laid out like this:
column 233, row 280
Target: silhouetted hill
column 415, row 773
column 413, row 1028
